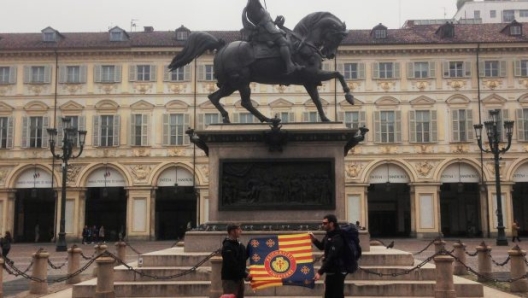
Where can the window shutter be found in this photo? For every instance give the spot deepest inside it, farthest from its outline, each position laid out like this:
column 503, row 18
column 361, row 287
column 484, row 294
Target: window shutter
column 201, row 72
column 153, row 73
column 412, row 126
column 361, row 71
column 118, row 71
column 291, row 117
column 502, row 69
column 410, row 70
column 95, row 133
column 27, row 74
column 166, row 74
column 47, row 74
column 116, row 127
column 397, row 127
column 145, row 125
column 505, row 115
column 166, row 129
column 469, row 126
column 132, row 73
column 467, row 68
column 432, row 69
column 445, row 70
column 82, row 73
column 98, row 69
column 25, row 134
column 60, row 130
column 45, row 137
column 517, row 68
column 456, row 128
column 306, row 117
column 341, row 117
column 132, row 130
column 434, row 127
column 326, row 67
column 377, row 127
column 200, row 123
column 397, row 73
column 9, row 133
column 63, row 72
column 12, row 75
column 482, row 69
column 82, row 126
column 375, row 70
column 520, row 125
column 362, row 119
column 187, row 73
column 341, row 68
column 186, row 124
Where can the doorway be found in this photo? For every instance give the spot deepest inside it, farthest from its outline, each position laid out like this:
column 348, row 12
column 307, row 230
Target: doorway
column 389, row 206
column 34, row 206
column 460, row 210
column 107, row 206
column 175, row 211
column 520, row 206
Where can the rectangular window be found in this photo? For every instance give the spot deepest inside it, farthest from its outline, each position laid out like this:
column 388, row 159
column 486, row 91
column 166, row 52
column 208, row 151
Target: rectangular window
column 246, row 118
column 380, row 33
column 211, row 118
column 35, row 132
column 500, row 118
column 523, row 13
column 178, row 74
column 388, row 125
column 462, row 122
column 74, row 123
column 139, row 130
column 311, row 117
column 107, row 73
column 73, row 74
column 421, row 69
column 521, row 68
column 116, row 36
column 209, row 73
column 515, row 30
column 456, row 69
column 522, row 125
column 352, row 120
column 476, row 14
column 493, row 14
column 177, row 129
column 351, row 71
column 4, row 75
column 508, row 16
column 4, row 129
column 386, row 70
column 491, row 68
column 37, row 74
column 107, row 131
column 143, row 73
column 422, row 126
column 286, row 117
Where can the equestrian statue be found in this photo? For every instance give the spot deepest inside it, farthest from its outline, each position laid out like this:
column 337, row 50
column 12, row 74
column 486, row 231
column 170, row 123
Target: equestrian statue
column 272, row 54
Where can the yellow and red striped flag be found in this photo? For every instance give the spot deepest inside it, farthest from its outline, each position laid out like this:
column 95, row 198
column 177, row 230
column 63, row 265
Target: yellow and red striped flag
column 281, row 260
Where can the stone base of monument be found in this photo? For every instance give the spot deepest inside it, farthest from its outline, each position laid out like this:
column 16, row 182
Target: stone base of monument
column 170, row 262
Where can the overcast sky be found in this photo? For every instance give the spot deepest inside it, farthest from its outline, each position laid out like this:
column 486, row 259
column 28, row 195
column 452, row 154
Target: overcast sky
column 163, row 15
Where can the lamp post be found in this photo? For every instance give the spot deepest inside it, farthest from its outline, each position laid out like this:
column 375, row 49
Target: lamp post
column 67, row 150
column 494, row 139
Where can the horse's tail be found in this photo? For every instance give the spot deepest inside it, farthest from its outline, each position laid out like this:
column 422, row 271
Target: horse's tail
column 197, row 43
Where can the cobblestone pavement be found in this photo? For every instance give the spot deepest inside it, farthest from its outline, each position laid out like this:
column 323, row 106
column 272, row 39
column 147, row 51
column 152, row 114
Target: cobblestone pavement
column 21, row 255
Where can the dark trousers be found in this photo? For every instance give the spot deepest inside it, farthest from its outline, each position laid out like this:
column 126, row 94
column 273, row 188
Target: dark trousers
column 235, row 287
column 518, row 239
column 335, row 285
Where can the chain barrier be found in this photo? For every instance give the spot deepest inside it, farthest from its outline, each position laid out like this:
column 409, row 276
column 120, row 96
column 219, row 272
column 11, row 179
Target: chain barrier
column 403, row 272
column 57, row 267
column 87, row 258
column 7, row 260
column 499, row 264
column 131, row 247
column 470, row 254
column 428, row 245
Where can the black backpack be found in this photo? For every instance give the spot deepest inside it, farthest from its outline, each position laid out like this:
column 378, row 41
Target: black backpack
column 352, row 251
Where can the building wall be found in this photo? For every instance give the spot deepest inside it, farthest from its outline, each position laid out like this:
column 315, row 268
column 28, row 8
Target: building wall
column 483, row 10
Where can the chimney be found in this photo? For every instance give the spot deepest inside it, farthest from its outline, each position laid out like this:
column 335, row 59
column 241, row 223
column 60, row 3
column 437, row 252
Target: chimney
column 148, row 29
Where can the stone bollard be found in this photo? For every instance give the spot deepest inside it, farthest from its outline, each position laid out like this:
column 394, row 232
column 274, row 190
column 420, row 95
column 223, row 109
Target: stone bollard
column 105, row 278
column 1, row 277
column 40, row 271
column 439, row 244
column 74, row 264
column 460, row 269
column 484, row 261
column 445, row 287
column 99, row 249
column 216, row 277
column 518, row 269
column 121, row 251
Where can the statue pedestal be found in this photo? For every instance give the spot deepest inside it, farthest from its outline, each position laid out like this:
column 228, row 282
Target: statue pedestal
column 271, row 177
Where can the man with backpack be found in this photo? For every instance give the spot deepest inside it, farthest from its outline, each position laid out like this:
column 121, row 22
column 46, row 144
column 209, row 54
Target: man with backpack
column 334, row 246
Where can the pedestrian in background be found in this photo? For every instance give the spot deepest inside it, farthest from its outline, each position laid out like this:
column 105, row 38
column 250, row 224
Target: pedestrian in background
column 5, row 242
column 515, row 231
column 102, row 234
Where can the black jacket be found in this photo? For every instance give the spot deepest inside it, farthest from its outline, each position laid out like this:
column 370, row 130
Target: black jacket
column 333, row 245
column 234, row 260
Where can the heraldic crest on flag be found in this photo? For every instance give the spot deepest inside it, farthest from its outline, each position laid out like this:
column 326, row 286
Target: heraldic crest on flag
column 281, row 260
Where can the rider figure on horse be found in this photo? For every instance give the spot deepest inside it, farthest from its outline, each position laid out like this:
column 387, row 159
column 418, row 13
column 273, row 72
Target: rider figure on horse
column 267, row 32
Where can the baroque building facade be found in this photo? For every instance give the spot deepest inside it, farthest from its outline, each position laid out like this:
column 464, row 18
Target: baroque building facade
column 419, row 90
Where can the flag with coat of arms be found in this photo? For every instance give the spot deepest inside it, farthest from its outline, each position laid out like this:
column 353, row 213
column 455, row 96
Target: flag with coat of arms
column 283, row 260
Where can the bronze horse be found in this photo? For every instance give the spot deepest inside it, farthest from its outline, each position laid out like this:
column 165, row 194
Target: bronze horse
column 314, row 38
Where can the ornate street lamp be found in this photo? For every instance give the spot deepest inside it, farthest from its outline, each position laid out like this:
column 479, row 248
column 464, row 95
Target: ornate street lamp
column 67, row 153
column 494, row 140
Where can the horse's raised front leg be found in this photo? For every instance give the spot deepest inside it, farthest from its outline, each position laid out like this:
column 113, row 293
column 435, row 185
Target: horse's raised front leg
column 314, row 94
column 215, row 99
column 328, row 75
column 245, row 94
